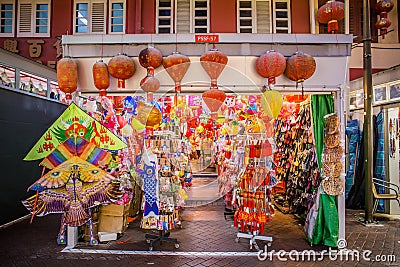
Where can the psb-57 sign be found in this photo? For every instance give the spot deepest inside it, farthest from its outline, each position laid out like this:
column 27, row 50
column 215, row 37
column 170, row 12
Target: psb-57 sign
column 207, row 38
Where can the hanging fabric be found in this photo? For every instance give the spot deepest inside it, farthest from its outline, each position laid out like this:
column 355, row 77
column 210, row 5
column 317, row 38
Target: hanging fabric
column 353, row 134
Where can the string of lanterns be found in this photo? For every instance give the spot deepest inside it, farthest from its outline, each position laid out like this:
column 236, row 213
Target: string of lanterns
column 299, row 67
column 383, row 7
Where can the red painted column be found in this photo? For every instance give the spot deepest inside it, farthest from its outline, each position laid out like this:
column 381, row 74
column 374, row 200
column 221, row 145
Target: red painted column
column 148, row 16
column 300, row 16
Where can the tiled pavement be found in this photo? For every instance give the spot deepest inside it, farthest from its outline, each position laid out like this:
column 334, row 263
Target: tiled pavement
column 204, row 230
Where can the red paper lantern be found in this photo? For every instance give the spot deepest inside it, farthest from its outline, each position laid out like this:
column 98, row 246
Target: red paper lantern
column 330, row 14
column 213, row 62
column 300, row 67
column 150, row 57
column 384, row 6
column 67, row 75
column 176, row 65
column 271, row 65
column 150, row 84
column 214, row 99
column 121, row 67
column 101, row 77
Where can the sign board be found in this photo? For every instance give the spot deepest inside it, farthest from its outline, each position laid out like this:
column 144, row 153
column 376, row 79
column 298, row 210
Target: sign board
column 207, row 38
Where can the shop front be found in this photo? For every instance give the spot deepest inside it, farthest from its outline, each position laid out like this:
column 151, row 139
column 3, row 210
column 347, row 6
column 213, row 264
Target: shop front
column 274, row 145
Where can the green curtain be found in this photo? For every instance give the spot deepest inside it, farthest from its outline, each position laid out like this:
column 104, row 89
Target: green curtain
column 326, row 227
column 321, row 105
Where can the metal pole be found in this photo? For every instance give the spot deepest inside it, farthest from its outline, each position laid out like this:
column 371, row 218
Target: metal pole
column 368, row 127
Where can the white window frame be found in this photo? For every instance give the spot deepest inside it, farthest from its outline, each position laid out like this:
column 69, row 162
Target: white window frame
column 110, row 16
column 32, row 32
column 274, row 19
column 253, row 26
column 192, row 17
column 12, row 33
column 90, row 4
column 172, row 17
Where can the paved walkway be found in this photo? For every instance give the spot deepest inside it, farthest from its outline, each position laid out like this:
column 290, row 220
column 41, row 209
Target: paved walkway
column 207, row 239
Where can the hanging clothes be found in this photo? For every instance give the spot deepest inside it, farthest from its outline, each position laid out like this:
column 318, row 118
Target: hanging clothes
column 379, row 156
column 326, row 226
column 354, row 136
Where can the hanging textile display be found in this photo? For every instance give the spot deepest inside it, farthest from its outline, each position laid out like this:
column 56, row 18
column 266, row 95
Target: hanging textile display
column 379, row 154
column 296, row 159
column 354, row 136
column 325, row 226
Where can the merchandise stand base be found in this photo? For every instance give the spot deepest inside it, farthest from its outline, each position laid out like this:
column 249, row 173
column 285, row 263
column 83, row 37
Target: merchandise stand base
column 253, row 238
column 162, row 237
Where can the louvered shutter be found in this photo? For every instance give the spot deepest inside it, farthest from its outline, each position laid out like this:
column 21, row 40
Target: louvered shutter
column 25, row 18
column 183, row 16
column 263, row 16
column 98, row 18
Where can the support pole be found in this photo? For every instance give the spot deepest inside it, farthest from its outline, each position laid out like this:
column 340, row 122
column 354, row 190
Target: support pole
column 368, row 127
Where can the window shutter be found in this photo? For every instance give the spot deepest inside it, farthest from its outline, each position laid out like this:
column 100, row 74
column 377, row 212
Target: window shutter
column 98, row 18
column 183, row 16
column 25, row 18
column 263, row 16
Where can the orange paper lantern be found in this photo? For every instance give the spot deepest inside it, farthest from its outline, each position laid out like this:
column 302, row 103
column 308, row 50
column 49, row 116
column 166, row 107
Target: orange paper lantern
column 150, row 116
column 214, row 99
column 176, row 65
column 213, row 62
column 150, row 57
column 300, row 66
column 121, row 67
column 101, row 77
column 67, row 75
column 150, row 84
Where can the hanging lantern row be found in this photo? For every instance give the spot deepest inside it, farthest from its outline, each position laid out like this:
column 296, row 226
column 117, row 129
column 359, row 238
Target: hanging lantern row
column 383, row 7
column 299, row 67
column 331, row 13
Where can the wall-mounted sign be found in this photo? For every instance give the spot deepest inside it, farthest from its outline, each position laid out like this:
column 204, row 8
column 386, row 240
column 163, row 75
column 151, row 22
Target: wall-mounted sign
column 207, row 38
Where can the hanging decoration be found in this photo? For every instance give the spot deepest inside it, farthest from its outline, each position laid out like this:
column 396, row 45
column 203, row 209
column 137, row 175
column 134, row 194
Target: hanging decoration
column 214, row 62
column 271, row 102
column 331, row 13
column 150, row 58
column 101, row 77
column 383, row 7
column 214, row 99
column 67, row 76
column 121, row 67
column 270, row 65
column 149, row 115
column 176, row 65
column 299, row 67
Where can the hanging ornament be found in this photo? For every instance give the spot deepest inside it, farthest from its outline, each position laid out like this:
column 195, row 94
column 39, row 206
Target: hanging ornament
column 213, row 62
column 150, row 84
column 176, row 65
column 118, row 104
column 121, row 67
column 150, row 116
column 270, row 65
column 383, row 7
column 299, row 67
column 271, row 102
column 101, row 77
column 331, row 13
column 214, row 99
column 150, row 57
column 67, row 76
